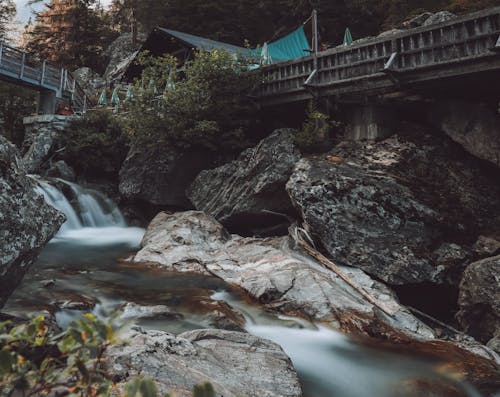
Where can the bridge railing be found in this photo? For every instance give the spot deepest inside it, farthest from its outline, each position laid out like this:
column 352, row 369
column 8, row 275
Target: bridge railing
column 457, row 40
column 23, row 66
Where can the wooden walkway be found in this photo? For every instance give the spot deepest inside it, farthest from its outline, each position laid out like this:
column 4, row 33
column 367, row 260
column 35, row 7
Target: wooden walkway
column 21, row 68
column 462, row 46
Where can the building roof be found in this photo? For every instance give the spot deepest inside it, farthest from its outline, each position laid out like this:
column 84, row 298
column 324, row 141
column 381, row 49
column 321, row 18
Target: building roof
column 202, row 42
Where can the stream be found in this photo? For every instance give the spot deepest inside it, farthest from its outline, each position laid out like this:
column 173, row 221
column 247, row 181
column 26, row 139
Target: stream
column 83, row 269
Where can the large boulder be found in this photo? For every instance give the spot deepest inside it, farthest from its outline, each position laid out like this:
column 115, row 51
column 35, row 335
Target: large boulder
column 439, row 17
column 475, row 126
column 120, row 53
column 27, row 223
column 405, row 209
column 244, row 194
column 89, row 80
column 479, row 300
column 235, row 363
column 275, row 275
column 41, row 139
column 160, row 176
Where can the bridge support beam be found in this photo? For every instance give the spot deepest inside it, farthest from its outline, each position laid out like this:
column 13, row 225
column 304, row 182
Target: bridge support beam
column 369, row 121
column 46, row 102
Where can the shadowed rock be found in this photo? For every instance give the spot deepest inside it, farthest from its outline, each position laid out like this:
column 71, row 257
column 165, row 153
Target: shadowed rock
column 27, row 223
column 241, row 194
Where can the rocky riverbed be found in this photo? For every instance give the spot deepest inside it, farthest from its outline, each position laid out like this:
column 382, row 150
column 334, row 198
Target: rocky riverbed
column 410, row 210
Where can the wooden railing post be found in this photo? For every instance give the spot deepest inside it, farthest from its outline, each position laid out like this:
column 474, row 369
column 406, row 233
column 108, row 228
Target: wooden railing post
column 23, row 61
column 44, row 65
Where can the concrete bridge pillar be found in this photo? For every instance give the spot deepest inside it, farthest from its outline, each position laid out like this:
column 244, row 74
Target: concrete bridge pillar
column 369, row 121
column 46, row 102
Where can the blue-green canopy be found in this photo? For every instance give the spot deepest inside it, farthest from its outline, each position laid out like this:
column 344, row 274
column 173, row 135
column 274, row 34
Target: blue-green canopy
column 292, row 46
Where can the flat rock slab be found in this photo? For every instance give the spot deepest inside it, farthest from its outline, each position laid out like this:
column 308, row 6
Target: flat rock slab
column 236, row 364
column 275, row 275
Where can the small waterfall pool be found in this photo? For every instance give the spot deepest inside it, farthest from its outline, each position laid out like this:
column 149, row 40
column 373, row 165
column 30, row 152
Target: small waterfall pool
column 82, row 269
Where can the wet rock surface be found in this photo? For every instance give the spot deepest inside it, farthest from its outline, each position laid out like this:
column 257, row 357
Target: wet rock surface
column 406, row 209
column 160, row 177
column 237, row 364
column 479, row 300
column 475, row 126
column 247, row 193
column 27, row 223
column 274, row 275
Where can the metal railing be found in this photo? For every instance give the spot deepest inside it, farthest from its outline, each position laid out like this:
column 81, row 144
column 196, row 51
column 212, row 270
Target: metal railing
column 28, row 69
column 459, row 40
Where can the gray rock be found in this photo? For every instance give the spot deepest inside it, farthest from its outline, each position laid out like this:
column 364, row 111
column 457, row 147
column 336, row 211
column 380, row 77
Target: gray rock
column 479, row 299
column 486, row 246
column 89, row 80
column 438, row 17
column 475, row 126
column 41, row 139
column 160, row 176
column 389, row 33
column 239, row 193
column 120, row 53
column 273, row 274
column 60, row 169
column 389, row 204
column 418, row 20
column 27, row 223
column 133, row 311
column 236, row 364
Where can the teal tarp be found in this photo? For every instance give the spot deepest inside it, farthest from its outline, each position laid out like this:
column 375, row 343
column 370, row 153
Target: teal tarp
column 293, row 46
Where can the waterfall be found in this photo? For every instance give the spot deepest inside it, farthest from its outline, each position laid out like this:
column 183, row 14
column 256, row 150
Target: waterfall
column 91, row 217
column 89, row 208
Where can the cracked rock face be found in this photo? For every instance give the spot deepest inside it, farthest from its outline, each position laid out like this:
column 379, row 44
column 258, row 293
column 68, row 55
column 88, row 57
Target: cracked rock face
column 406, row 209
column 242, row 191
column 27, row 223
column 237, row 364
column 278, row 277
column 479, row 300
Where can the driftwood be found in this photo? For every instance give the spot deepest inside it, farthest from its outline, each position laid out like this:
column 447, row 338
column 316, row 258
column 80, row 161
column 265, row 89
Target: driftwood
column 307, row 247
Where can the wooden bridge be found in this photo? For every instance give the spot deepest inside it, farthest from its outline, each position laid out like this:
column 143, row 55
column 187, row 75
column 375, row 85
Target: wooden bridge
column 54, row 83
column 386, row 64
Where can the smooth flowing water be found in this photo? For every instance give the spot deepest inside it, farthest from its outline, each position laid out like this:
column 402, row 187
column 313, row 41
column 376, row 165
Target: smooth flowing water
column 82, row 269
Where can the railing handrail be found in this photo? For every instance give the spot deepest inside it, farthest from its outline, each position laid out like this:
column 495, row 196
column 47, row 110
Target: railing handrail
column 369, row 41
column 48, row 75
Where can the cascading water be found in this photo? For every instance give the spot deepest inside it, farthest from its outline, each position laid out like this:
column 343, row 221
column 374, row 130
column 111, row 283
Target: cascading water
column 91, row 217
column 82, row 261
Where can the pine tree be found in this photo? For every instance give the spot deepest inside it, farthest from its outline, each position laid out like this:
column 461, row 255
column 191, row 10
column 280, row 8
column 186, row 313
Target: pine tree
column 70, row 33
column 7, row 13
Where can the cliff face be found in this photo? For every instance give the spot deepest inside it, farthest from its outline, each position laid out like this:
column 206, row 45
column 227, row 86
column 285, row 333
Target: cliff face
column 27, row 223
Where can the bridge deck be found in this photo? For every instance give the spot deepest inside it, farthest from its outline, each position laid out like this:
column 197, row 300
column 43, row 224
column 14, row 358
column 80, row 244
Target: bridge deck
column 25, row 69
column 461, row 46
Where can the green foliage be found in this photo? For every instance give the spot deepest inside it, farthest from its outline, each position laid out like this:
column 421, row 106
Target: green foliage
column 95, row 144
column 209, row 107
column 72, row 33
column 315, row 130
column 204, row 390
column 35, row 362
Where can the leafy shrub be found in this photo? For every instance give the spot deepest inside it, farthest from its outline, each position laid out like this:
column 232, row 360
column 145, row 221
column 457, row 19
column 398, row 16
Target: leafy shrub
column 315, row 130
column 95, row 144
column 208, row 107
column 34, row 361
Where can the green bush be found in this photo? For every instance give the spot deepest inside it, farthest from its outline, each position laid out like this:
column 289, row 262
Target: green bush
column 95, row 145
column 209, row 107
column 34, row 361
column 315, row 131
